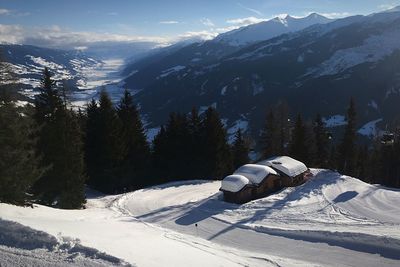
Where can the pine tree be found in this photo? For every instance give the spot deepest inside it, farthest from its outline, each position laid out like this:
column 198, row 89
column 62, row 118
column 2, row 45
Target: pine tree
column 196, row 144
column 298, row 147
column 240, row 150
column 347, row 148
column 104, row 149
column 136, row 160
column 270, row 137
column 60, row 145
column 217, row 156
column 47, row 103
column 159, row 164
column 321, row 137
column 71, row 166
column 19, row 164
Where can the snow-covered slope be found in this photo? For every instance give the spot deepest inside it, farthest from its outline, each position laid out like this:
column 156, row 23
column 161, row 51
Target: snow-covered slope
column 331, row 220
column 83, row 76
column 268, row 29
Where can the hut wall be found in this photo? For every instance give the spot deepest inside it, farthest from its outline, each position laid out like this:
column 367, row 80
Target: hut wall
column 243, row 196
column 271, row 183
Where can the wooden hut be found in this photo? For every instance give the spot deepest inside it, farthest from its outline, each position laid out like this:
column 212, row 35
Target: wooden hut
column 237, row 189
column 293, row 172
column 264, row 179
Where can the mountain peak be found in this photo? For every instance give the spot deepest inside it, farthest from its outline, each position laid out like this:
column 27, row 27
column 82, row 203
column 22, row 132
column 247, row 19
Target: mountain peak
column 394, row 9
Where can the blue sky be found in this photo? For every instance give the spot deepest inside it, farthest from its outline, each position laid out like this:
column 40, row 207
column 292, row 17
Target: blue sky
column 161, row 19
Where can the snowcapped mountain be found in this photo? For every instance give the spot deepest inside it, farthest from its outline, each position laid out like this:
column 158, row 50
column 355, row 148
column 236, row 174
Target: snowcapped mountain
column 268, row 29
column 81, row 74
column 332, row 62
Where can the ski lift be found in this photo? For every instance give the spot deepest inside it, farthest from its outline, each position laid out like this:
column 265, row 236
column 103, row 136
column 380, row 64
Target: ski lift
column 387, row 139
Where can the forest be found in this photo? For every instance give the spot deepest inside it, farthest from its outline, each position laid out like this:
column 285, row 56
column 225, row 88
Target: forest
column 50, row 152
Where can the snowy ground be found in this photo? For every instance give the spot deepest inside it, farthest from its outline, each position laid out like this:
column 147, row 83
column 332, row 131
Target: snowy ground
column 331, row 220
column 106, row 75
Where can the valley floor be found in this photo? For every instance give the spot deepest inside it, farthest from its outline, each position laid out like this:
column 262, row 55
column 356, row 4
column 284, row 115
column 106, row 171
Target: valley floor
column 332, row 220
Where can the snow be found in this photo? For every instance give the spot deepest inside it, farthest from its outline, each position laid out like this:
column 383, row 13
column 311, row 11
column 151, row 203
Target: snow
column 242, row 124
column 223, row 90
column 169, row 71
column 287, row 165
column 373, row 104
column 373, row 49
column 108, row 228
column 370, row 129
column 255, row 173
column 335, row 121
column 268, row 29
column 331, row 220
column 24, row 246
column 151, row 133
column 234, row 183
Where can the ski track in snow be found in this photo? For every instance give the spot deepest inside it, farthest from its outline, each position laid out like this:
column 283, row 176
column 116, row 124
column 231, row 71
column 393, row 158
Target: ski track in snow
column 331, row 220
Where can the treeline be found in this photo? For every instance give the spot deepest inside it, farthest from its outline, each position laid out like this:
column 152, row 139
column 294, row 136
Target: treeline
column 49, row 152
column 312, row 143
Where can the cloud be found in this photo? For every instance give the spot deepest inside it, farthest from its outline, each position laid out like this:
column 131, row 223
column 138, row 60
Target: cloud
column 58, row 37
column 112, row 13
column 169, row 22
column 8, row 12
column 207, row 22
column 251, row 9
column 387, row 6
column 245, row 21
column 335, row 15
column 4, row 11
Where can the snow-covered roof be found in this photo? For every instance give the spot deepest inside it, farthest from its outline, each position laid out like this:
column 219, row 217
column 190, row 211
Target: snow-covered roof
column 234, row 183
column 287, row 165
column 255, row 173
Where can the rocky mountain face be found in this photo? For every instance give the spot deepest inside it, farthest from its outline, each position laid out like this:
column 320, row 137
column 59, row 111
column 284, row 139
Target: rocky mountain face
column 315, row 70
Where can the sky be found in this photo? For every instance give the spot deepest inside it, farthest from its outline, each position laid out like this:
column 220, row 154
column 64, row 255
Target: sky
column 78, row 22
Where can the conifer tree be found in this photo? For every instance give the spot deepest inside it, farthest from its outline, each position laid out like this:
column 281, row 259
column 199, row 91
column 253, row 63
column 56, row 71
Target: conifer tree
column 60, row 147
column 217, row 156
column 321, row 156
column 104, row 149
column 136, row 160
column 196, row 144
column 347, row 148
column 159, row 164
column 270, row 136
column 19, row 164
column 240, row 150
column 298, row 147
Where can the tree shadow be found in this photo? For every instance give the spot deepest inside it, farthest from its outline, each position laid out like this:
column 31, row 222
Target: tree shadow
column 207, row 208
column 345, row 196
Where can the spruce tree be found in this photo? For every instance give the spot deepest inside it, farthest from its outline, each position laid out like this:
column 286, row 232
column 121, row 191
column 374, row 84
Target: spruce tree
column 240, row 150
column 196, row 144
column 321, row 138
column 60, row 147
column 104, row 147
column 347, row 148
column 298, row 147
column 19, row 164
column 217, row 155
column 270, row 137
column 136, row 160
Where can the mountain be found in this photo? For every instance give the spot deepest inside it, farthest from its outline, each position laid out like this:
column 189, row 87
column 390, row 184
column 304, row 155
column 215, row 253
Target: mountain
column 196, row 52
column 73, row 68
column 352, row 57
column 269, row 29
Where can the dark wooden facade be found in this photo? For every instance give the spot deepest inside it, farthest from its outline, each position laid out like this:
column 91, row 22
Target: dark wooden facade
column 243, row 196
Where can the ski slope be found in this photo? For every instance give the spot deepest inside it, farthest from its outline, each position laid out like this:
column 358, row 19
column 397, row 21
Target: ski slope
column 332, row 220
